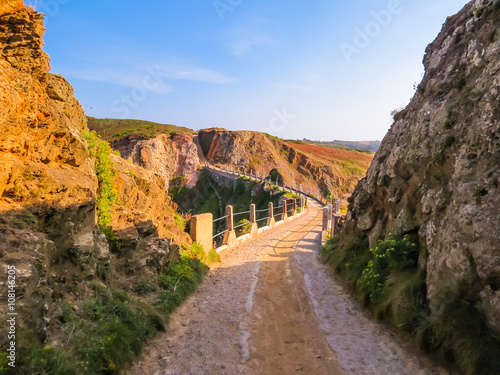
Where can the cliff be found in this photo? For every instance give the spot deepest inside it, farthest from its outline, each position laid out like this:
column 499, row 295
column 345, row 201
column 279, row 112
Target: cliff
column 436, row 175
column 315, row 167
column 167, row 150
column 52, row 197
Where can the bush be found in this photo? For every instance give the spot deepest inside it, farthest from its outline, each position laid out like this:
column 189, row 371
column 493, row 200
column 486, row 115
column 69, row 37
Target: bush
column 180, row 221
column 107, row 193
column 387, row 277
column 393, row 254
column 244, row 227
column 213, row 257
column 179, row 281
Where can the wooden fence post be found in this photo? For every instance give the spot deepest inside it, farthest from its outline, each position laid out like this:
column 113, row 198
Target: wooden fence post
column 270, row 221
column 230, row 235
column 254, row 230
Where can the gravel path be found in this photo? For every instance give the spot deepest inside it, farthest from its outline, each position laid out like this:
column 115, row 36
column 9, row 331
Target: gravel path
column 272, row 308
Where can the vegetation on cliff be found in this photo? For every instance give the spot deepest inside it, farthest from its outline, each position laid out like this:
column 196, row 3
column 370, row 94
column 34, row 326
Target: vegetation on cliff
column 117, row 129
column 107, row 193
column 109, row 329
column 435, row 179
column 389, row 282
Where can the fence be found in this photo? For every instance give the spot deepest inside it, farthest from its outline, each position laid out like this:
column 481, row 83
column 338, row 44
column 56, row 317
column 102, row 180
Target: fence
column 333, row 220
column 203, row 226
column 240, row 172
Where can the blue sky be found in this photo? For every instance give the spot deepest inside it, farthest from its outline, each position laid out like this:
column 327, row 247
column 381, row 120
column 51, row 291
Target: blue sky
column 317, row 69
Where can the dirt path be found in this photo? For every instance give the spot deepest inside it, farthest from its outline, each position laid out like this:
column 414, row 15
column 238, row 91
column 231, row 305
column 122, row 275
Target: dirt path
column 272, row 308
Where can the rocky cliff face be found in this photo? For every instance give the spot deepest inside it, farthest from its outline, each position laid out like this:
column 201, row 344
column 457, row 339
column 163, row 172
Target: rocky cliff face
column 46, row 169
column 257, row 152
column 436, row 175
column 49, row 187
column 166, row 154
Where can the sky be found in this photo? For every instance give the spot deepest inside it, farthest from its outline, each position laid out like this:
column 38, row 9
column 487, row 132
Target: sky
column 315, row 69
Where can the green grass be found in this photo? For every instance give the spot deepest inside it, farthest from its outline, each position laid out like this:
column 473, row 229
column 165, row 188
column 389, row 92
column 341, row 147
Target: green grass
column 117, row 129
column 179, row 281
column 456, row 333
column 107, row 193
column 107, row 333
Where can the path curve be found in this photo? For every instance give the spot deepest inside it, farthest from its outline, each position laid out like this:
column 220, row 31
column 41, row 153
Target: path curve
column 272, row 308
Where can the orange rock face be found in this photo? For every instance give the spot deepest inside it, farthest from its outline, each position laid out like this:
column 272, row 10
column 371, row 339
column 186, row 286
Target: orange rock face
column 10, row 6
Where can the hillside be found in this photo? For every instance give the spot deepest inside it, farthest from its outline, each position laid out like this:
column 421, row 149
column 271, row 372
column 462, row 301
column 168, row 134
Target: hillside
column 372, row 146
column 333, row 172
column 115, row 130
column 172, row 152
column 432, row 196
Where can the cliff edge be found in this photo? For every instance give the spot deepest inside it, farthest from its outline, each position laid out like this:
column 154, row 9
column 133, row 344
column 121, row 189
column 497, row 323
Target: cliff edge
column 436, row 175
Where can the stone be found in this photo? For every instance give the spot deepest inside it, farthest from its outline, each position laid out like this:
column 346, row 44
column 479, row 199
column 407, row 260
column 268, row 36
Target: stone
column 436, row 172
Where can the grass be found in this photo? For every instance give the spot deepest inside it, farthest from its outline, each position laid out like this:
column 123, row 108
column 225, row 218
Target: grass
column 456, row 333
column 116, row 129
column 107, row 193
column 107, row 333
column 362, row 147
column 104, row 337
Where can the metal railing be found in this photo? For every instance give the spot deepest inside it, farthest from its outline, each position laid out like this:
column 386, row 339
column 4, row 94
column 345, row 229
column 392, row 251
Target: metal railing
column 318, row 195
column 226, row 233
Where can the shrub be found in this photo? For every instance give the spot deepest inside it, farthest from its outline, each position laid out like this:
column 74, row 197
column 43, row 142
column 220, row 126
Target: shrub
column 213, row 257
column 456, row 333
column 179, row 281
column 392, row 254
column 195, row 251
column 180, row 221
column 244, row 227
column 107, row 193
column 240, row 188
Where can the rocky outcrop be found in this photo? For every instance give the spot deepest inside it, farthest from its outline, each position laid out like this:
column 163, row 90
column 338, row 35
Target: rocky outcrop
column 436, row 175
column 145, row 211
column 49, row 187
column 257, row 152
column 45, row 163
column 168, row 155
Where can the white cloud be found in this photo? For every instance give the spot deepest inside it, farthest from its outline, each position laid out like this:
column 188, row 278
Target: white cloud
column 243, row 44
column 192, row 73
column 155, row 76
column 296, row 87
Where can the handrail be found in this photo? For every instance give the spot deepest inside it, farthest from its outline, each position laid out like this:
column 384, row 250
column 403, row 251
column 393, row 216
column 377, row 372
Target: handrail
column 318, row 197
column 221, row 218
column 218, row 234
column 241, row 213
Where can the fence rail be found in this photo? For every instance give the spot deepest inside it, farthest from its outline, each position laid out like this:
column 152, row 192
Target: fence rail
column 203, row 226
column 293, row 188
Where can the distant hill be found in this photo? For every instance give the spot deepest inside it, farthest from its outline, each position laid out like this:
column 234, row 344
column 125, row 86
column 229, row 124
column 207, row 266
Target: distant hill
column 361, row 145
column 117, row 129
